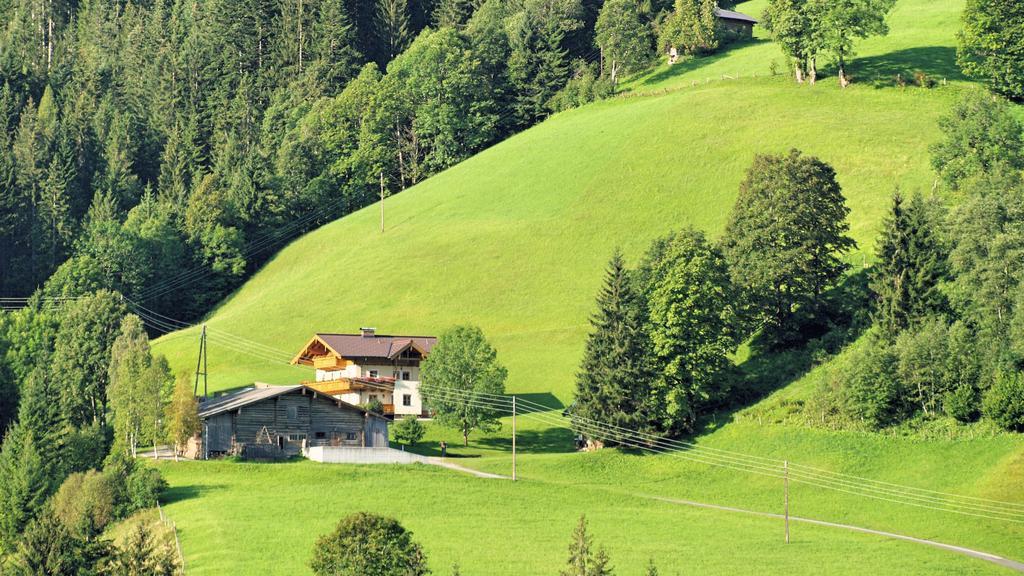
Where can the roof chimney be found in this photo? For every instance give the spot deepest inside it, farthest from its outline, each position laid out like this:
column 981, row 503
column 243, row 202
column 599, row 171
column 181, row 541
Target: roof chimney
column 368, row 332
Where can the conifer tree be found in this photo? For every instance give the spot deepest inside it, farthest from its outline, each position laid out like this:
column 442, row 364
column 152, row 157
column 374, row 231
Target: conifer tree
column 393, row 26
column 911, row 263
column 583, row 560
column 615, row 383
column 88, row 329
column 32, row 463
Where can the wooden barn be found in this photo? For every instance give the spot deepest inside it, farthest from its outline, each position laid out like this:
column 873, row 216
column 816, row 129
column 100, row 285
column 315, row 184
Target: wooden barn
column 269, row 421
column 735, row 25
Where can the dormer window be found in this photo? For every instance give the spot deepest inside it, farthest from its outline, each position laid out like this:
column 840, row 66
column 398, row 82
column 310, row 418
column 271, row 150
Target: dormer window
column 373, row 373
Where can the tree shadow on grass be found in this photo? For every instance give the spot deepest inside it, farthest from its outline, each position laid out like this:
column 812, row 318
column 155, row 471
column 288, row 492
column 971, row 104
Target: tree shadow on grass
column 771, row 367
column 691, row 64
column 547, row 441
column 938, row 62
column 180, row 493
column 545, row 399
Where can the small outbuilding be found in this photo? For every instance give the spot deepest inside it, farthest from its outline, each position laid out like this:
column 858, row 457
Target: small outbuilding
column 736, row 25
column 269, row 421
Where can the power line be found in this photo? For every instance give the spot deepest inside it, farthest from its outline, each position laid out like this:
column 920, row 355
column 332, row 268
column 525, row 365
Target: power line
column 735, row 461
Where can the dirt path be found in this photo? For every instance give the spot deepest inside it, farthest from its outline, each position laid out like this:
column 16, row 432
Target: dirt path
column 1005, row 562
column 448, row 464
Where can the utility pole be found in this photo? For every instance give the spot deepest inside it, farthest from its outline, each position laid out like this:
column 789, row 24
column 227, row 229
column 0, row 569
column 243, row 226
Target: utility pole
column 201, row 362
column 513, row 438
column 382, row 196
column 785, row 480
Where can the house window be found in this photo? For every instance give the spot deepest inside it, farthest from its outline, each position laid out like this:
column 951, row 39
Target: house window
column 406, row 399
column 321, row 435
column 406, row 376
column 373, row 373
column 293, row 413
column 350, row 436
column 296, row 437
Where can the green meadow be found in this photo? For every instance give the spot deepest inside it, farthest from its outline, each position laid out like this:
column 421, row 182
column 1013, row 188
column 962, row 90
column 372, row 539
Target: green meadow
column 264, row 519
column 515, row 240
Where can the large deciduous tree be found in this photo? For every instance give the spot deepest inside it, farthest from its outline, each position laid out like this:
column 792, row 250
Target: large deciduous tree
column 694, row 322
column 461, row 378
column 692, row 27
column 839, row 23
column 88, row 329
column 616, row 381
column 182, row 414
column 786, row 236
column 136, row 386
column 790, row 25
column 981, row 137
column 992, row 45
column 365, row 544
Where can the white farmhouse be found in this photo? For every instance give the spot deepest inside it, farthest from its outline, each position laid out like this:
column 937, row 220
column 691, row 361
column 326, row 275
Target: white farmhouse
column 361, row 368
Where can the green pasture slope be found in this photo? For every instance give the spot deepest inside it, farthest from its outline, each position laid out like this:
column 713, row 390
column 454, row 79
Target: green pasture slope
column 515, row 240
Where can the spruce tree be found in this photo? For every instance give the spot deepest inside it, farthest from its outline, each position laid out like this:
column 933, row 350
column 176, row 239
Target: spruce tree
column 32, row 459
column 82, row 350
column 583, row 560
column 615, row 384
column 911, row 264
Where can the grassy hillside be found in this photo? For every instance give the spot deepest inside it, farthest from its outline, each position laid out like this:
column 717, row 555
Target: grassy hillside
column 921, row 39
column 515, row 240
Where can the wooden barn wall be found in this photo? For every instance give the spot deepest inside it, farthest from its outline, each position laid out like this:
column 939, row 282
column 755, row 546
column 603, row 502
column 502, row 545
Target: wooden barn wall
column 218, row 433
column 309, row 416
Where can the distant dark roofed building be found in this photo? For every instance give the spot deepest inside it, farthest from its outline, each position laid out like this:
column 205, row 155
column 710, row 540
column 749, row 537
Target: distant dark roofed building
column 737, row 24
column 731, row 15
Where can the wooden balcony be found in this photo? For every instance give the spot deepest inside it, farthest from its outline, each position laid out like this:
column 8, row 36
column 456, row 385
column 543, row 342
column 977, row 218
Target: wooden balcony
column 346, row 385
column 330, row 362
column 389, row 409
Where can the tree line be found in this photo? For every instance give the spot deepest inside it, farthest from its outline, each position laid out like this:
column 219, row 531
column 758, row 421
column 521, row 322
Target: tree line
column 80, row 392
column 660, row 353
column 948, row 289
column 945, row 332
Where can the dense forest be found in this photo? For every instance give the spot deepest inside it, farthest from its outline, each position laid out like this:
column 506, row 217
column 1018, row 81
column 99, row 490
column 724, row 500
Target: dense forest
column 163, row 149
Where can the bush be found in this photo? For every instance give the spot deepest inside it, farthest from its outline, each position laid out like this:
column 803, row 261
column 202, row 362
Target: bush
column 144, row 487
column 85, row 503
column 1004, row 401
column 409, row 431
column 365, row 544
column 135, row 487
column 961, row 403
column 874, row 392
column 87, row 447
column 373, row 406
column 585, row 86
